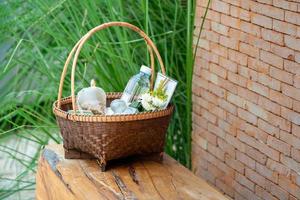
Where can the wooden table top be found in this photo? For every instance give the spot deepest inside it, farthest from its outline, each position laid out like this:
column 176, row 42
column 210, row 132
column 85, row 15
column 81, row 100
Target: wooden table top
column 59, row 178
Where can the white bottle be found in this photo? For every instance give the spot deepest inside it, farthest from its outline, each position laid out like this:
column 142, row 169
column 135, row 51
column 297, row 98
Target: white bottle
column 137, row 85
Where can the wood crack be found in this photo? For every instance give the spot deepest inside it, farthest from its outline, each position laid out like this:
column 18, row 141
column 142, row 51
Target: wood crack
column 127, row 194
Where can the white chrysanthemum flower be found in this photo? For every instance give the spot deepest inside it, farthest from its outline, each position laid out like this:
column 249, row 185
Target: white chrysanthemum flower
column 157, row 102
column 146, row 101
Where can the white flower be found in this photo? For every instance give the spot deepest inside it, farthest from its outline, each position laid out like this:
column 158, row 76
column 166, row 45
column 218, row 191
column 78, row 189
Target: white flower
column 157, row 102
column 151, row 103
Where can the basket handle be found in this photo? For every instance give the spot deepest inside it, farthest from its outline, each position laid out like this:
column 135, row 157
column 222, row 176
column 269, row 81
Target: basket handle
column 151, row 46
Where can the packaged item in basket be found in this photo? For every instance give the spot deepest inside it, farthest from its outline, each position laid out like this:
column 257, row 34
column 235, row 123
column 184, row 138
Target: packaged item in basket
column 160, row 97
column 168, row 85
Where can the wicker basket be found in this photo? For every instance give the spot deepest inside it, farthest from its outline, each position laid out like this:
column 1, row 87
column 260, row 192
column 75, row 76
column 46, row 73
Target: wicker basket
column 114, row 136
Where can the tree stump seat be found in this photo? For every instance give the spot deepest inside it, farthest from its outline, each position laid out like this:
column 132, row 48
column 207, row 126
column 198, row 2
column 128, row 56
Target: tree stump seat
column 60, row 178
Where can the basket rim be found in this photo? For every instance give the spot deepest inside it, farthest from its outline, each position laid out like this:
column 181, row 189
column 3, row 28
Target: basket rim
column 109, row 118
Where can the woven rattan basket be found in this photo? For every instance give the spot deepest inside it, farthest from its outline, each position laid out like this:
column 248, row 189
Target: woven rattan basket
column 113, row 136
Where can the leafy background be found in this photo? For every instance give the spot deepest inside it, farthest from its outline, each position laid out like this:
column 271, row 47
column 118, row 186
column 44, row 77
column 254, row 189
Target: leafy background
column 36, row 37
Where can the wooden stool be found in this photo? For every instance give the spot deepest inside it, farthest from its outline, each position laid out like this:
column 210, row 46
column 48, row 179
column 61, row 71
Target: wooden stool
column 60, row 178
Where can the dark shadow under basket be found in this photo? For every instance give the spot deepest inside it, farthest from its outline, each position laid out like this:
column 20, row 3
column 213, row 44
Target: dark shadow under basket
column 114, row 136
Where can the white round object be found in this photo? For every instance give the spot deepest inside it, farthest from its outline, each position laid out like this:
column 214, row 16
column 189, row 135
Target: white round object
column 92, row 98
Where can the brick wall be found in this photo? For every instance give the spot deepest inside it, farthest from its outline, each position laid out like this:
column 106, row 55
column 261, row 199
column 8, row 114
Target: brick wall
column 246, row 98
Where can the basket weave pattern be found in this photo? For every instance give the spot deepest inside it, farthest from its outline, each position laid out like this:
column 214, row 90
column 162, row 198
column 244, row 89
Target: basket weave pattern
column 114, row 136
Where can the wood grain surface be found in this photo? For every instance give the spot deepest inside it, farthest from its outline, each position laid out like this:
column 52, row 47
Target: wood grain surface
column 59, row 178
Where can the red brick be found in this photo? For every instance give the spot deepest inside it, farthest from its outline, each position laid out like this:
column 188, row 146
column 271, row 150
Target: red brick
column 277, row 191
column 227, row 148
column 282, row 51
column 227, row 127
column 204, row 44
column 296, row 130
column 281, row 75
column 219, row 112
column 259, row 43
column 290, row 115
column 265, row 1
column 218, row 49
column 292, row 66
column 263, row 193
column 247, row 116
column 278, row 167
column 272, row 130
column 271, row 59
column 257, row 110
column 227, row 85
column 228, row 65
column 235, row 142
column 219, row 28
column 238, row 35
column 225, row 188
column 292, row 17
column 255, row 177
column 209, row 96
column 269, row 105
column 242, row 136
column 285, row 5
column 241, row 179
column 296, row 154
column 217, row 90
column 229, row 42
column 271, row 153
column 284, row 27
column 286, row 184
column 245, row 192
column 292, row 42
column 248, row 95
column 279, row 145
column 279, row 122
column 212, row 15
column 217, row 152
column 207, row 115
column 230, row 21
column 272, row 36
column 296, row 105
column 238, row 166
column 297, row 81
column 209, row 137
column 261, row 20
column 216, row 69
column 246, row 160
column 290, row 139
column 237, row 57
column 248, row 73
column 250, row 28
column 249, row 50
column 201, row 142
column 228, row 106
column 291, row 91
column 267, row 10
column 258, row 65
column 239, row 13
column 216, row 130
column 281, row 99
column 237, row 79
column 245, row 5
column 208, row 55
column 253, row 131
column 258, row 88
column 220, row 6
column 267, row 173
column 256, row 155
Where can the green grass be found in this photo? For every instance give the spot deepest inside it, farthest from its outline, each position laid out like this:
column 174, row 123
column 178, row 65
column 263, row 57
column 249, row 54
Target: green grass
column 36, row 37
